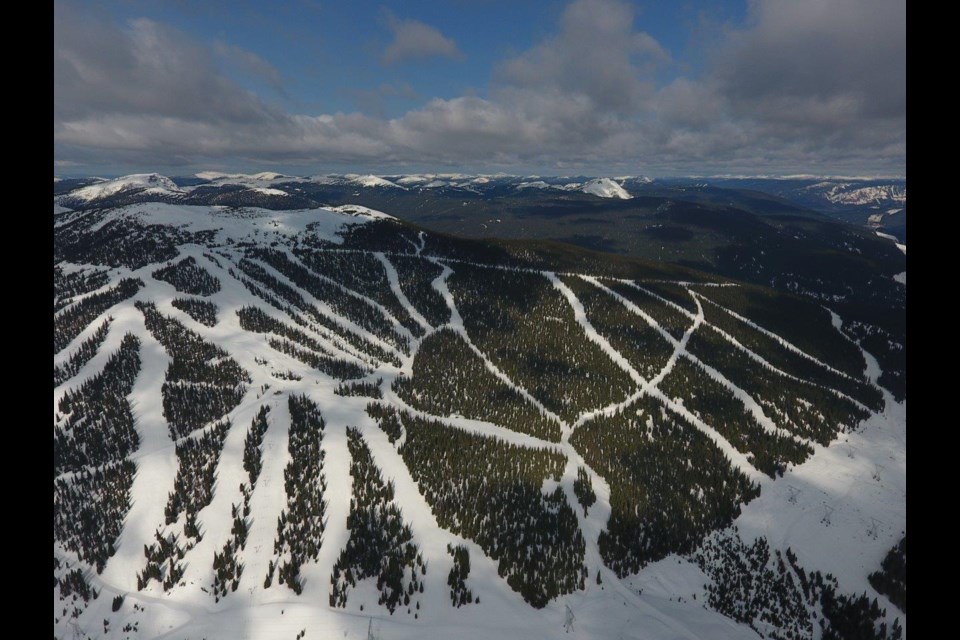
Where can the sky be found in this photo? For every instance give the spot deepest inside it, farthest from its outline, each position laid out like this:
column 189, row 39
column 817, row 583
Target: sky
column 590, row 87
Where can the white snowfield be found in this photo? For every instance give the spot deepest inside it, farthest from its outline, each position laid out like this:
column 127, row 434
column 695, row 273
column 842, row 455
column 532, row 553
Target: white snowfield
column 843, row 194
column 153, row 182
column 606, row 188
column 860, row 478
column 266, row 183
column 372, row 181
column 902, row 247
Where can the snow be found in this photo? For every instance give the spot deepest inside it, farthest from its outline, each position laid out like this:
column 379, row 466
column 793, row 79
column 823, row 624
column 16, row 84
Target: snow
column 736, row 458
column 407, row 180
column 364, row 212
column 779, row 339
column 861, row 477
column 267, row 191
column 537, row 184
column 665, row 600
column 251, row 222
column 896, row 241
column 842, row 194
column 606, row 188
column 155, row 459
column 394, row 281
column 158, row 185
column 327, row 180
column 901, row 278
column 372, row 181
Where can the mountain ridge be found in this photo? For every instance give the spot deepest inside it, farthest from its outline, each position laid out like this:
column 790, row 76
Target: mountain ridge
column 352, row 286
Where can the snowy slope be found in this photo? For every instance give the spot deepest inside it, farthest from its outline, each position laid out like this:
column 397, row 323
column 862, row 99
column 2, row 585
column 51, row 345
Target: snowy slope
column 605, row 188
column 372, row 181
column 370, row 300
column 843, row 194
column 152, row 183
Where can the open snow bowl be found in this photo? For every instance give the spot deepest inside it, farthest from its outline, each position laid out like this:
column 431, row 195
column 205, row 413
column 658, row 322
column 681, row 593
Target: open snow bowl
column 455, row 349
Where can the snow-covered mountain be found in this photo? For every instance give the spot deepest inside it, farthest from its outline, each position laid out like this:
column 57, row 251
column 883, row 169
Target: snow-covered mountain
column 847, row 193
column 606, row 188
column 145, row 184
column 211, row 187
column 372, row 181
column 323, row 420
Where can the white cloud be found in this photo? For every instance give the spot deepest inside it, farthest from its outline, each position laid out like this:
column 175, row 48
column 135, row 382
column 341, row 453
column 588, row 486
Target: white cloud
column 413, row 39
column 817, row 87
column 596, row 54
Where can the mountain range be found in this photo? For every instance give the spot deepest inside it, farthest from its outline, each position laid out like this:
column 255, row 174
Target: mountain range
column 475, row 406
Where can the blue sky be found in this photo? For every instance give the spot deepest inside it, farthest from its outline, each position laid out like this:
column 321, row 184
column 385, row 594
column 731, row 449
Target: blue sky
column 595, row 86
column 327, row 54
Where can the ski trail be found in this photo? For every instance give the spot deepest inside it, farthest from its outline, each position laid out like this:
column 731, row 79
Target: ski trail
column 156, row 459
column 633, row 308
column 80, row 297
column 233, row 296
column 873, row 370
column 432, row 539
column 609, row 410
column 782, row 341
column 456, row 323
column 593, row 523
column 440, row 285
column 315, row 575
column 268, row 499
column 726, row 336
column 679, row 348
column 752, row 406
column 411, row 243
column 580, row 315
column 65, row 353
column 215, row 521
column 417, row 246
column 733, row 455
column 397, row 325
column 394, row 280
column 93, row 366
column 326, row 310
column 736, row 458
column 471, row 425
column 670, row 303
column 64, row 356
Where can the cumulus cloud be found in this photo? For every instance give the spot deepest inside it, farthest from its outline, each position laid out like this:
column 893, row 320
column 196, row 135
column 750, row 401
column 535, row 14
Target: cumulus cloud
column 596, row 54
column 816, row 87
column 145, row 70
column 413, row 39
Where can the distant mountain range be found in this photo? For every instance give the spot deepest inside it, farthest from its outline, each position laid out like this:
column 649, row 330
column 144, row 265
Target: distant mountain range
column 877, row 204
